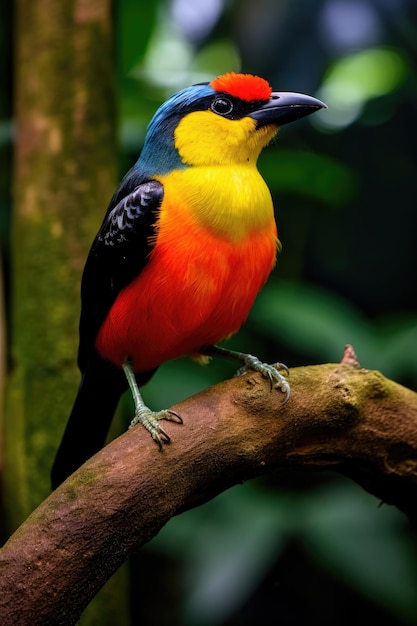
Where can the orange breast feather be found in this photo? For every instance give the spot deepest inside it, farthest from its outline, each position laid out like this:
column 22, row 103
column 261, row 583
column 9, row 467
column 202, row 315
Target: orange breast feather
column 196, row 289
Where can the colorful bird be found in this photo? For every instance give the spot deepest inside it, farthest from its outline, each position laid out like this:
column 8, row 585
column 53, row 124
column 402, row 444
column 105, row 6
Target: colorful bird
column 187, row 242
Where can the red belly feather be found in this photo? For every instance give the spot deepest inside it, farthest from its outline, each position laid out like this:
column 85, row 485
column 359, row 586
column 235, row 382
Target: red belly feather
column 195, row 290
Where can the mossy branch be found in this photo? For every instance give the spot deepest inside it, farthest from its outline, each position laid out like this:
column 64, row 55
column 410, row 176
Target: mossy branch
column 339, row 417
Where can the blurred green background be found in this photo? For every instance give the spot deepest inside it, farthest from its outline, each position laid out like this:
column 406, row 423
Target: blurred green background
column 288, row 549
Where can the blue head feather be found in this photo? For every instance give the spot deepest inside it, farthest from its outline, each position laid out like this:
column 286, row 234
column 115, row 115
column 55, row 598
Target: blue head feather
column 159, row 155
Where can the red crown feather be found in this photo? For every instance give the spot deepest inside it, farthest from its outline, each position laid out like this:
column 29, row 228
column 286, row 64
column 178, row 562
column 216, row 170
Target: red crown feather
column 244, row 86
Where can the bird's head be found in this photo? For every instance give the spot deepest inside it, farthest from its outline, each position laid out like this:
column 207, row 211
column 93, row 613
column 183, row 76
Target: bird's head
column 224, row 122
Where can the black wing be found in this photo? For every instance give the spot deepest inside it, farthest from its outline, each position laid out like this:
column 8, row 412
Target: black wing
column 118, row 254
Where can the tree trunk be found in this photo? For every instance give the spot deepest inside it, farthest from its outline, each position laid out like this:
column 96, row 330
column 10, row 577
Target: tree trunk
column 64, row 176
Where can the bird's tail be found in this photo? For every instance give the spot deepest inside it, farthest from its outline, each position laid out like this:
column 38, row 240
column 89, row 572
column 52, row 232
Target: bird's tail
column 89, row 422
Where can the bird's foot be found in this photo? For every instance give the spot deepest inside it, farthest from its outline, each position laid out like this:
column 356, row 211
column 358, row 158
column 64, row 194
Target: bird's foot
column 249, row 362
column 150, row 421
column 276, row 379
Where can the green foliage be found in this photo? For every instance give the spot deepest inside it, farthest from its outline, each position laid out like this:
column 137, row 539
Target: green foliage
column 308, row 174
column 349, row 536
column 344, row 185
column 228, row 546
column 353, row 80
column 318, row 323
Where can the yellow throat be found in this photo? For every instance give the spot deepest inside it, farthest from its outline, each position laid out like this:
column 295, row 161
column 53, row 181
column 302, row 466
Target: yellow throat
column 223, row 188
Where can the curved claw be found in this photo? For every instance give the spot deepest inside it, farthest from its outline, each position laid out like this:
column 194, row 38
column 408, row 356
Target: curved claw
column 276, row 379
column 250, row 362
column 160, row 436
column 150, row 420
column 282, row 366
column 285, row 388
column 178, row 419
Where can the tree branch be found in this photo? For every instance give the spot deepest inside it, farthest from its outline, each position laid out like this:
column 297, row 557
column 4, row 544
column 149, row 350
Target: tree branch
column 339, row 417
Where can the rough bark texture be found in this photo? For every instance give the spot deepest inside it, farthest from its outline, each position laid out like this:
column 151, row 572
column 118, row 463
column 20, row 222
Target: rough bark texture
column 64, row 176
column 65, row 172
column 339, row 417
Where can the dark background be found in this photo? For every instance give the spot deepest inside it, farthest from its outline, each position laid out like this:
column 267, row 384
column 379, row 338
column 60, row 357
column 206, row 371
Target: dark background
column 298, row 549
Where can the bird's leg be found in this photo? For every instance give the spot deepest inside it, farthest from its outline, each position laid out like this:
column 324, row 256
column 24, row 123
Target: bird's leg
column 277, row 380
column 144, row 415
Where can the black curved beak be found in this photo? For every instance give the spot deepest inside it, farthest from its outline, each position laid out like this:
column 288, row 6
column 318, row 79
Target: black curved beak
column 284, row 107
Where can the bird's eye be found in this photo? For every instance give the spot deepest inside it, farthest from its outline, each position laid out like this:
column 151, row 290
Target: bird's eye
column 222, row 106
